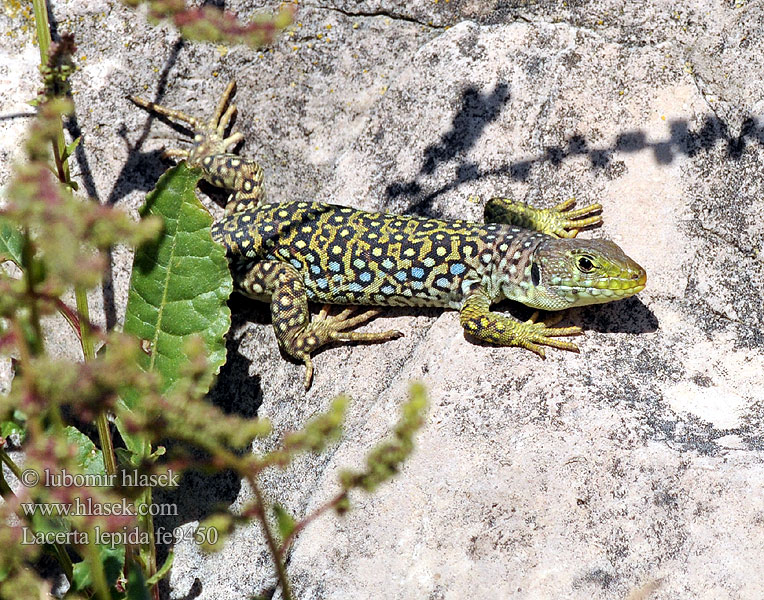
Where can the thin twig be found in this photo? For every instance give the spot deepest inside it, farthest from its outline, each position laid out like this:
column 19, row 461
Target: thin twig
column 309, row 519
column 271, row 539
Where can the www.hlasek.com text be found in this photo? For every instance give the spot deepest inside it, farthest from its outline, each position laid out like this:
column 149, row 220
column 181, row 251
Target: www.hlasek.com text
column 88, row 507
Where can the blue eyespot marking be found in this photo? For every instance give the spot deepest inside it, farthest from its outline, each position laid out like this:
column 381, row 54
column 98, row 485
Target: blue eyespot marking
column 417, row 272
column 401, row 275
column 315, row 269
column 355, row 287
column 442, row 282
column 365, row 276
column 322, row 283
column 334, row 266
column 457, row 269
column 387, row 263
column 388, row 289
column 296, row 263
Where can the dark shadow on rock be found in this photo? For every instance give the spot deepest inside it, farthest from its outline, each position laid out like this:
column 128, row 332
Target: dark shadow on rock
column 236, row 391
column 148, row 165
column 142, row 169
column 193, row 593
column 624, row 316
column 200, row 494
column 477, row 109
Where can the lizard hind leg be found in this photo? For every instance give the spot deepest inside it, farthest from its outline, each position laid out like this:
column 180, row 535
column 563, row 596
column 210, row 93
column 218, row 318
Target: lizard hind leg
column 297, row 335
column 326, row 329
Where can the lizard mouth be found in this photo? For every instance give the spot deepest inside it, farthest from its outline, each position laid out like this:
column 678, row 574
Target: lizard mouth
column 611, row 288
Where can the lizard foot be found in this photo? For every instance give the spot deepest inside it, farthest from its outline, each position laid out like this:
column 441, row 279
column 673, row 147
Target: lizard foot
column 325, row 329
column 559, row 221
column 209, row 138
column 565, row 223
column 532, row 334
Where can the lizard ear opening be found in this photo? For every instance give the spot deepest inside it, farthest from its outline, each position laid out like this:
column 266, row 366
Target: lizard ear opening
column 535, row 274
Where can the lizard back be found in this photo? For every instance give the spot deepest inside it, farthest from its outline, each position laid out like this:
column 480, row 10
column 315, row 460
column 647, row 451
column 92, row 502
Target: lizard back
column 348, row 256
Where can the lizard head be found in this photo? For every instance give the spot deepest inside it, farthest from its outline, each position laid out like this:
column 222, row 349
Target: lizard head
column 574, row 272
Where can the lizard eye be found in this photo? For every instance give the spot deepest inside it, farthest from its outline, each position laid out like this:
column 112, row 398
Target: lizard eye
column 535, row 274
column 585, row 264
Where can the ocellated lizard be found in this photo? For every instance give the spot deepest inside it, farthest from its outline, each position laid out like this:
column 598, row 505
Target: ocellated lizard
column 295, row 252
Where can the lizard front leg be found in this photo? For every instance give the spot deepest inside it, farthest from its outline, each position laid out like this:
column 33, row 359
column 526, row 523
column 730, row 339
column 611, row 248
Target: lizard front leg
column 478, row 320
column 558, row 221
column 243, row 177
column 297, row 335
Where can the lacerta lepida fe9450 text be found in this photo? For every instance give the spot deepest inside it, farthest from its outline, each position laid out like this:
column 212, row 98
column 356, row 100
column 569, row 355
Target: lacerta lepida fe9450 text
column 297, row 252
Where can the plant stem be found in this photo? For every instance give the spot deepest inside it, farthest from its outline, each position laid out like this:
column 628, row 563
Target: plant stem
column 32, row 338
column 62, row 555
column 5, row 490
column 62, row 168
column 149, row 552
column 15, row 469
column 42, row 26
column 271, row 539
column 100, row 582
column 88, row 351
column 43, row 41
column 307, row 520
column 64, row 560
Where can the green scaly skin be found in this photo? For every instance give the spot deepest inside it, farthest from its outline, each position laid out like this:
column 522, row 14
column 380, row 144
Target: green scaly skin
column 291, row 253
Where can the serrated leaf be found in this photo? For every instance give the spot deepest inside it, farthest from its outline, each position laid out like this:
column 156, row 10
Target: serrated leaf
column 180, row 283
column 89, row 457
column 11, row 242
column 285, row 521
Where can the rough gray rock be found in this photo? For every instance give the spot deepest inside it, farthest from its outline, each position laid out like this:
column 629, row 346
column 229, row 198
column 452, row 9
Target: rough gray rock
column 633, row 469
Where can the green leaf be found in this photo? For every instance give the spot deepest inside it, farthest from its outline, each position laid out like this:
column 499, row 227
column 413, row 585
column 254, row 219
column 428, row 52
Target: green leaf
column 70, row 148
column 8, row 428
column 11, row 242
column 112, row 559
column 180, row 283
column 136, row 585
column 138, row 448
column 285, row 521
column 89, row 457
